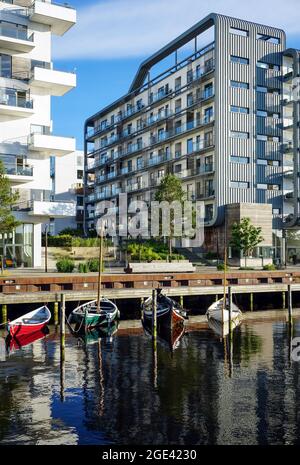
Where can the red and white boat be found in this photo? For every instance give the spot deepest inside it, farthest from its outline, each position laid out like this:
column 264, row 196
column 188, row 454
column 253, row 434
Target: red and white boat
column 30, row 323
column 169, row 312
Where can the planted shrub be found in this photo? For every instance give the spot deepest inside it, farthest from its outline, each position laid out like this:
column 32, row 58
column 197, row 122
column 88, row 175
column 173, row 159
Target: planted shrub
column 65, row 265
column 269, row 267
column 93, row 265
column 83, row 267
column 221, row 267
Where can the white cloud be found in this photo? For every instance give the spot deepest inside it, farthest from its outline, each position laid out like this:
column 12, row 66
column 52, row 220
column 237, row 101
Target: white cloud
column 113, row 29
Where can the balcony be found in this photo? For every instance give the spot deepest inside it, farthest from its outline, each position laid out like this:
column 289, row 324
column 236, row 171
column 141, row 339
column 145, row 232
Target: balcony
column 57, row 82
column 51, row 145
column 15, row 103
column 50, row 209
column 15, row 39
column 60, row 17
column 19, row 174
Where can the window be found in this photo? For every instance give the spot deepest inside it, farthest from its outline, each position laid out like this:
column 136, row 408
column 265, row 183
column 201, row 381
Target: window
column 262, row 89
column 5, row 66
column 177, row 83
column 263, row 161
column 262, row 113
column 177, row 106
column 209, row 210
column 268, row 38
column 79, row 174
column 234, row 109
column 177, row 169
column 239, row 84
column 239, row 135
column 240, row 60
column 262, row 137
column 237, row 159
column 269, row 187
column 239, row 32
column 189, row 145
column 239, row 185
column 263, row 65
column 276, row 211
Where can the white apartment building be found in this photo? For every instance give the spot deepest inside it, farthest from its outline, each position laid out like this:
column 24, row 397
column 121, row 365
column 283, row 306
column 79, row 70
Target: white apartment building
column 28, row 80
column 67, row 186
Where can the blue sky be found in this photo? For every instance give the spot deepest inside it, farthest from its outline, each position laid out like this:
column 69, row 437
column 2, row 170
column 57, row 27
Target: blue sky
column 112, row 37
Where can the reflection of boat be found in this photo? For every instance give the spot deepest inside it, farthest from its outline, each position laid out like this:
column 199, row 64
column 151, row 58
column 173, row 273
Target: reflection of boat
column 169, row 312
column 14, row 343
column 92, row 336
column 220, row 312
column 31, row 322
column 97, row 312
column 222, row 329
column 168, row 337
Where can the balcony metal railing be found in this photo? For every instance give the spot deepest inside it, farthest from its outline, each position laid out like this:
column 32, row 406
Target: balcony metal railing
column 14, row 98
column 28, row 205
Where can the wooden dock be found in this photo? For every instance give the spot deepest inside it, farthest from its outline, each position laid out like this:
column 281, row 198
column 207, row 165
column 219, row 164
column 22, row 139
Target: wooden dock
column 41, row 288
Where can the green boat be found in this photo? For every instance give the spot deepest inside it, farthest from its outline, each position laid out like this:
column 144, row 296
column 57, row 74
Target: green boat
column 88, row 315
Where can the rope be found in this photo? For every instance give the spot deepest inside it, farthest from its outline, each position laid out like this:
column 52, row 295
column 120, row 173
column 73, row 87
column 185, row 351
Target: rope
column 70, row 327
column 3, row 324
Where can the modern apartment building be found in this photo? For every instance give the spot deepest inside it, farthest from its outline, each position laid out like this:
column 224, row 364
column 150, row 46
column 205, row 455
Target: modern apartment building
column 67, row 185
column 222, row 119
column 28, row 80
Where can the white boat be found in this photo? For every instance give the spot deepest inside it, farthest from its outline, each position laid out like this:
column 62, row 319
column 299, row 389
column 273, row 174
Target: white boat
column 220, row 313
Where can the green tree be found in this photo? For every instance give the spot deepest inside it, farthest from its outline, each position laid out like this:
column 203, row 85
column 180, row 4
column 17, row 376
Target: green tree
column 7, row 199
column 245, row 237
column 170, row 190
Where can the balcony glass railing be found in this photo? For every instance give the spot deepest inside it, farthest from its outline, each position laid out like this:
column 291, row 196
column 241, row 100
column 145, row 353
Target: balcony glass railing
column 155, row 97
column 14, row 98
column 15, row 33
column 19, row 170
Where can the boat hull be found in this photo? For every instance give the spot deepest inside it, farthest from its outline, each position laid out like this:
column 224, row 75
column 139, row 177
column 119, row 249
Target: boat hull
column 87, row 317
column 32, row 322
column 168, row 312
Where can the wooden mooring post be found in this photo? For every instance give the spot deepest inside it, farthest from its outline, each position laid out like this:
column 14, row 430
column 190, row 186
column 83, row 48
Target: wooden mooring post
column 62, row 325
column 251, row 302
column 181, row 300
column 154, row 314
column 4, row 313
column 283, row 300
column 55, row 313
column 290, row 303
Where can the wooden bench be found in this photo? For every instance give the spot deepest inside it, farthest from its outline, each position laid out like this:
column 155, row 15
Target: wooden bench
column 181, row 266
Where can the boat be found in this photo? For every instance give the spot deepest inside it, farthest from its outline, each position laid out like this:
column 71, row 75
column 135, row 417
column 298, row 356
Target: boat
column 89, row 316
column 219, row 312
column 169, row 312
column 14, row 343
column 166, row 336
column 98, row 312
column 30, row 322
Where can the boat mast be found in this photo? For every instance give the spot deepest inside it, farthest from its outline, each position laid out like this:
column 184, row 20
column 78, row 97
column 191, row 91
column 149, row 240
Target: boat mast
column 100, row 269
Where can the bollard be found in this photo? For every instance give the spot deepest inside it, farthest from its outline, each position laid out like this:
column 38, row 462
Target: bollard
column 4, row 313
column 56, row 313
column 283, row 300
column 154, row 314
column 251, row 302
column 62, row 326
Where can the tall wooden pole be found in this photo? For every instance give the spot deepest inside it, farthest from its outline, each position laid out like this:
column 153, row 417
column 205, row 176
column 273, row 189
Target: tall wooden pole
column 56, row 313
column 62, row 326
column 154, row 314
column 290, row 303
column 100, row 269
column 230, row 308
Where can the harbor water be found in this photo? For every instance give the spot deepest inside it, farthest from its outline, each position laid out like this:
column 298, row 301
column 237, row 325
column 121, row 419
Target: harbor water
column 117, row 390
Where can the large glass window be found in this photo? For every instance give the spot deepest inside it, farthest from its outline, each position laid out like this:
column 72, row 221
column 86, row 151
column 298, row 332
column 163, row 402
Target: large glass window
column 5, row 66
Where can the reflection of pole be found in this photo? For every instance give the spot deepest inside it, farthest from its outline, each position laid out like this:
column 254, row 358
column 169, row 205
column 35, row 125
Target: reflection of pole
column 101, row 406
column 4, row 313
column 62, row 378
column 230, row 308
